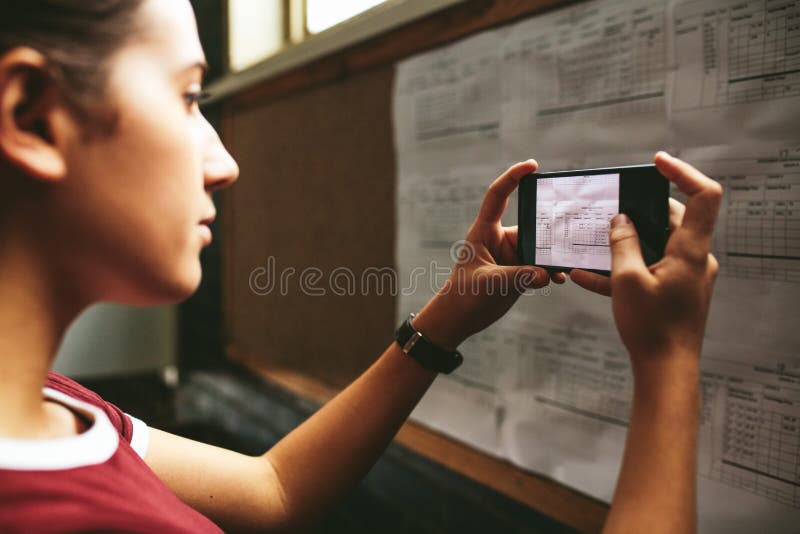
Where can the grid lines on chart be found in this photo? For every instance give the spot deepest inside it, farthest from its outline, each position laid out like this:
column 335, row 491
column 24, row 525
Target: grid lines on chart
column 764, row 47
column 762, row 227
column 760, row 446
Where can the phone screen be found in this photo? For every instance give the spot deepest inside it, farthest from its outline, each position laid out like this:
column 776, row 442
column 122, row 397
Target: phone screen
column 572, row 219
column 564, row 216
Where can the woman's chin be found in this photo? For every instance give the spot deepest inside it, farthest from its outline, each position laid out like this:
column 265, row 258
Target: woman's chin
column 165, row 291
column 186, row 285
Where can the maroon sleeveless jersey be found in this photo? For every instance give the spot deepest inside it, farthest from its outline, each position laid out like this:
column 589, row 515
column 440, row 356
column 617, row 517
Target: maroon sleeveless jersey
column 96, row 481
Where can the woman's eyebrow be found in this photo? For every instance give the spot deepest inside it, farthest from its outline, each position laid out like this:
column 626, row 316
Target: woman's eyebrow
column 200, row 64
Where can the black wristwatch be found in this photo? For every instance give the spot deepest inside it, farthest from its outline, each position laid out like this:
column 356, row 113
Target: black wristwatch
column 426, row 353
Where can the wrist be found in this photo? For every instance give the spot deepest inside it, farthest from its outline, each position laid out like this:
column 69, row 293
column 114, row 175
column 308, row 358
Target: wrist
column 674, row 375
column 437, row 328
column 678, row 360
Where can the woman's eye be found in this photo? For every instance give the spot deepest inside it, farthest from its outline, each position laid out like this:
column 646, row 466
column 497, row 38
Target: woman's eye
column 194, row 98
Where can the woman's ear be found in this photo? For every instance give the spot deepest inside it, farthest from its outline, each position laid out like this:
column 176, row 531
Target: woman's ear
column 35, row 125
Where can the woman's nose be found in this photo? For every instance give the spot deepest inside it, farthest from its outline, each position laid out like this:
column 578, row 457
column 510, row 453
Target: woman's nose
column 220, row 169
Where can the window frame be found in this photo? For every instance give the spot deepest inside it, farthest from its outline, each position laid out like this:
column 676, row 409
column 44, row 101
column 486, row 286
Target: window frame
column 302, row 47
column 308, row 31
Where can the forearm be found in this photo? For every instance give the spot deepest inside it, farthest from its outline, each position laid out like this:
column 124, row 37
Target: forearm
column 330, row 452
column 656, row 490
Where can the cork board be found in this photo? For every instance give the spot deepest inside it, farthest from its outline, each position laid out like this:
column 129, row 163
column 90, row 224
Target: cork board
column 316, row 195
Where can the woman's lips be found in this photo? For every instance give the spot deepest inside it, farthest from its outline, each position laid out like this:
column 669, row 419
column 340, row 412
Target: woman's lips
column 205, row 233
column 204, row 226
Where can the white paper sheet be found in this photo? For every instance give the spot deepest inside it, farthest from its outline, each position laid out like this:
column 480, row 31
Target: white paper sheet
column 578, row 81
column 607, row 83
column 737, row 71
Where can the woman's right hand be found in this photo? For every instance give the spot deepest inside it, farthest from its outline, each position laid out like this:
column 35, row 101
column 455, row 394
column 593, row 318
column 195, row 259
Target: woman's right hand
column 660, row 311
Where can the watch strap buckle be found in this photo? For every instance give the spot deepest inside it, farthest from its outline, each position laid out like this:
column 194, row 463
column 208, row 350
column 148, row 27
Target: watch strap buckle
column 416, row 336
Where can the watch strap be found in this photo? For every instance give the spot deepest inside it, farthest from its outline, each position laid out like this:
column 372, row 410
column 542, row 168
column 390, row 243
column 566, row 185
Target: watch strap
column 426, row 353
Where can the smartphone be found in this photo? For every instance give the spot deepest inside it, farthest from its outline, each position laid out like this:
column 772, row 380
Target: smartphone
column 564, row 216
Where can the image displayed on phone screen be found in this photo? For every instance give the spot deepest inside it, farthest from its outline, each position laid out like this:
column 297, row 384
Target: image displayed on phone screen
column 572, row 220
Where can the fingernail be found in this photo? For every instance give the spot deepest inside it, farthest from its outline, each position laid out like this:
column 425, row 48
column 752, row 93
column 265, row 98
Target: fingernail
column 620, row 220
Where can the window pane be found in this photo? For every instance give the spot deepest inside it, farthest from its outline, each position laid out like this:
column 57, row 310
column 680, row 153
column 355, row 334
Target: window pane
column 256, row 30
column 322, row 14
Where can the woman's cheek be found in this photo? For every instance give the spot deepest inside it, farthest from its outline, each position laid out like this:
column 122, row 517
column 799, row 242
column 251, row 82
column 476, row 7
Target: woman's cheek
column 166, row 141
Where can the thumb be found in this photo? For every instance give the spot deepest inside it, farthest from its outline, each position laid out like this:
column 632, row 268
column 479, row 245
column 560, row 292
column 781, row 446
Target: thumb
column 521, row 278
column 626, row 253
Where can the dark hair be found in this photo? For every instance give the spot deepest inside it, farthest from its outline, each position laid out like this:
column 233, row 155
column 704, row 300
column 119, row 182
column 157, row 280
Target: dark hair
column 77, row 37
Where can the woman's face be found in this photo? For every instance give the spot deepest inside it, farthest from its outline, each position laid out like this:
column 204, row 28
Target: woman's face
column 132, row 204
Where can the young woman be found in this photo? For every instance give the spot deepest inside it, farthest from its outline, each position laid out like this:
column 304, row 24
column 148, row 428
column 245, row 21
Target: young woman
column 106, row 170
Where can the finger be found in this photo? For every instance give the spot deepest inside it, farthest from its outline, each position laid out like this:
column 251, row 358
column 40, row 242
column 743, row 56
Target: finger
column 676, row 211
column 517, row 278
column 704, row 194
column 597, row 283
column 558, row 278
column 686, row 177
column 496, row 199
column 626, row 253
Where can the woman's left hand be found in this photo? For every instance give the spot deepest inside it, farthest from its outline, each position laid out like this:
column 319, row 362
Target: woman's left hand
column 487, row 278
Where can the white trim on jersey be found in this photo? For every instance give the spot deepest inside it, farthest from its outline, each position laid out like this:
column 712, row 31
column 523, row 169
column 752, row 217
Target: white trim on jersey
column 140, row 439
column 94, row 446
